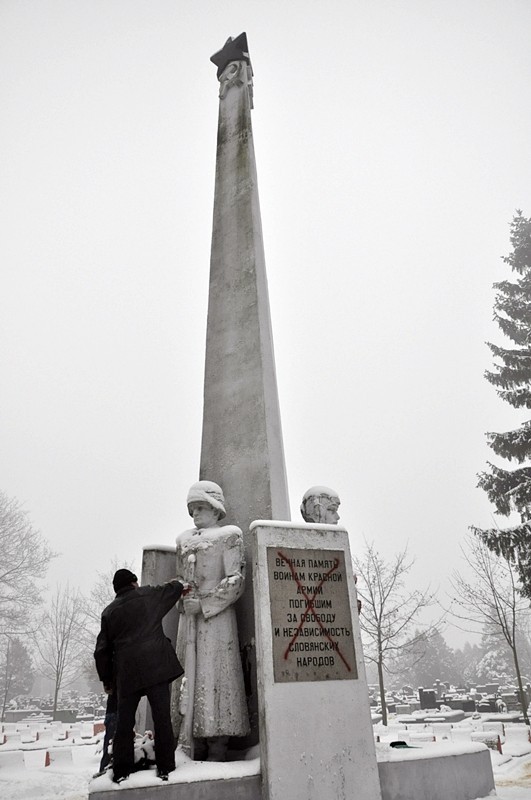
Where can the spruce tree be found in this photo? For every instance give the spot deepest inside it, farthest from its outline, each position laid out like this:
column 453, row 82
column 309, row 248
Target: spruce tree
column 510, row 489
column 16, row 670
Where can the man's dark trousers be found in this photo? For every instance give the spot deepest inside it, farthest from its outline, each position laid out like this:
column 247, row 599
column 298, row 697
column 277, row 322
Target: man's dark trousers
column 110, row 727
column 123, row 744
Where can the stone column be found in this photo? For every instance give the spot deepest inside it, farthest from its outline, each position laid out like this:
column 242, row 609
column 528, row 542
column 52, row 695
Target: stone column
column 242, row 447
column 158, row 566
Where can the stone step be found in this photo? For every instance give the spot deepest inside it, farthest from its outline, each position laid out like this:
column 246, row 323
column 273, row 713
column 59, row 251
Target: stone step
column 245, row 788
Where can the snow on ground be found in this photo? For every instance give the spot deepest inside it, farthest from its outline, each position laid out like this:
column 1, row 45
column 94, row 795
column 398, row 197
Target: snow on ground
column 67, row 781
column 187, row 771
column 70, row 781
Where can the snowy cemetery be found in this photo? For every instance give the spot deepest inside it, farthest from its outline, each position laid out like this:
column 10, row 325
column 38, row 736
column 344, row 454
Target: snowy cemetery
column 41, row 758
column 270, row 636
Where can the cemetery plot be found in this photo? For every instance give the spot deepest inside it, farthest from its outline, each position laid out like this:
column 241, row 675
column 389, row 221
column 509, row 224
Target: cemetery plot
column 310, row 615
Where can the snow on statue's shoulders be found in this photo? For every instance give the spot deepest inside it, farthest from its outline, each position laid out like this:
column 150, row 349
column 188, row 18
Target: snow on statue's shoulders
column 296, row 526
column 162, row 548
column 216, row 533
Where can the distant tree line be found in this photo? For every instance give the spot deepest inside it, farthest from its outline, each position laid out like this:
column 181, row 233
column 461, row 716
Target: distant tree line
column 57, row 640
column 400, row 651
column 54, row 638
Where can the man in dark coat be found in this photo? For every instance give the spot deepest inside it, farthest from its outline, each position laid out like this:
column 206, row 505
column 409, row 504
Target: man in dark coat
column 135, row 658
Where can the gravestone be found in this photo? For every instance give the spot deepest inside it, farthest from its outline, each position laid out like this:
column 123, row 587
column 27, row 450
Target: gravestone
column 316, row 737
column 427, row 698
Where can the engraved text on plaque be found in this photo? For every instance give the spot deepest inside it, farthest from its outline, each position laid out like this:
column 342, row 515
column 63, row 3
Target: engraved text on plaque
column 310, row 615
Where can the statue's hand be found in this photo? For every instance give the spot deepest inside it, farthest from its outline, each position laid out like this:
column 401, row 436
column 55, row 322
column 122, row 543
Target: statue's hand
column 191, row 605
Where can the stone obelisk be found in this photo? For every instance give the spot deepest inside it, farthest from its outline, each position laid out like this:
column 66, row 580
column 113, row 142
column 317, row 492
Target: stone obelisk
column 241, row 446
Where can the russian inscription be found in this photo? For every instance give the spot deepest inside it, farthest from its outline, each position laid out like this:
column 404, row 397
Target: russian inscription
column 310, row 615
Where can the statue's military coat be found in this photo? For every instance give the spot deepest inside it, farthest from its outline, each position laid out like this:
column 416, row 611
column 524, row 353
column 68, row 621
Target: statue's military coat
column 220, row 707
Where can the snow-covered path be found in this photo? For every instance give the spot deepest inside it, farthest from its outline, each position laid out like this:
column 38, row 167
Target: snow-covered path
column 513, row 781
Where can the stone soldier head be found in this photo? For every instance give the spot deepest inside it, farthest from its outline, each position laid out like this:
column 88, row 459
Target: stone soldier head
column 206, row 504
column 320, row 504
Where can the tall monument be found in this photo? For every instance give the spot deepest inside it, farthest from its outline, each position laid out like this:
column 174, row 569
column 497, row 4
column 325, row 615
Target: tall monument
column 316, row 736
column 242, row 437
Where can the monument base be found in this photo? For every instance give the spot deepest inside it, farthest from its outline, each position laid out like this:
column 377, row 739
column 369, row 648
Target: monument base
column 192, row 780
column 408, row 774
column 462, row 772
column 316, row 736
column 247, row 788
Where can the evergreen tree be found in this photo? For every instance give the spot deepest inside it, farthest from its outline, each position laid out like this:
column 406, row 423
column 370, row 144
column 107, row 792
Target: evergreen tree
column 467, row 661
column 494, row 663
column 436, row 661
column 510, row 489
column 16, row 670
column 497, row 654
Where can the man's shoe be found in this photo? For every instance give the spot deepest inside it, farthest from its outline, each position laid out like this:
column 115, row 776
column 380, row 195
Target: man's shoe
column 162, row 775
column 120, row 779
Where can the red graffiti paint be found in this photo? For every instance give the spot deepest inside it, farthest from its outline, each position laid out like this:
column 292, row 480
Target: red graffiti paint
column 310, row 608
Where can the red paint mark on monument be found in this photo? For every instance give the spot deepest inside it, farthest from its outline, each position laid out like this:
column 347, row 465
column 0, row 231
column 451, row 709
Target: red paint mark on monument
column 310, row 607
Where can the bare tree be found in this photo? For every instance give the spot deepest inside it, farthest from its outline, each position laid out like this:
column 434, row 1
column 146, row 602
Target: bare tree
column 101, row 594
column 23, row 565
column 491, row 602
column 389, row 611
column 59, row 639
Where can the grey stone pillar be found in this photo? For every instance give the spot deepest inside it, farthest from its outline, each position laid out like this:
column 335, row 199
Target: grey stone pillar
column 158, row 566
column 242, row 447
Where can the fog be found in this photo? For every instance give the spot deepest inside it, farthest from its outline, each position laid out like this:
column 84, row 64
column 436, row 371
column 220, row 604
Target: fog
column 392, row 146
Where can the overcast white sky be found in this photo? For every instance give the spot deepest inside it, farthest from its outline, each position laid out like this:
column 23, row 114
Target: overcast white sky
column 393, row 146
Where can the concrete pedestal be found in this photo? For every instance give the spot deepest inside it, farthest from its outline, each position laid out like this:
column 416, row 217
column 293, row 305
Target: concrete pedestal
column 460, row 774
column 246, row 788
column 316, row 737
column 412, row 774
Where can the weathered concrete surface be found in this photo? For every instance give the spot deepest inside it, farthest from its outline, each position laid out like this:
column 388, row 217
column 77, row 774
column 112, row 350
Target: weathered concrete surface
column 316, row 736
column 246, row 788
column 462, row 777
column 242, row 447
column 158, row 566
column 407, row 776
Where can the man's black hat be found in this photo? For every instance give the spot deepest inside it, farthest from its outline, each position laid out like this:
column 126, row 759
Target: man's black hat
column 123, row 577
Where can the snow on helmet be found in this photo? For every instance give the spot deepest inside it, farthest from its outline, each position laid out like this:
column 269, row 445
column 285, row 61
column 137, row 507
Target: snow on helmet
column 207, row 492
